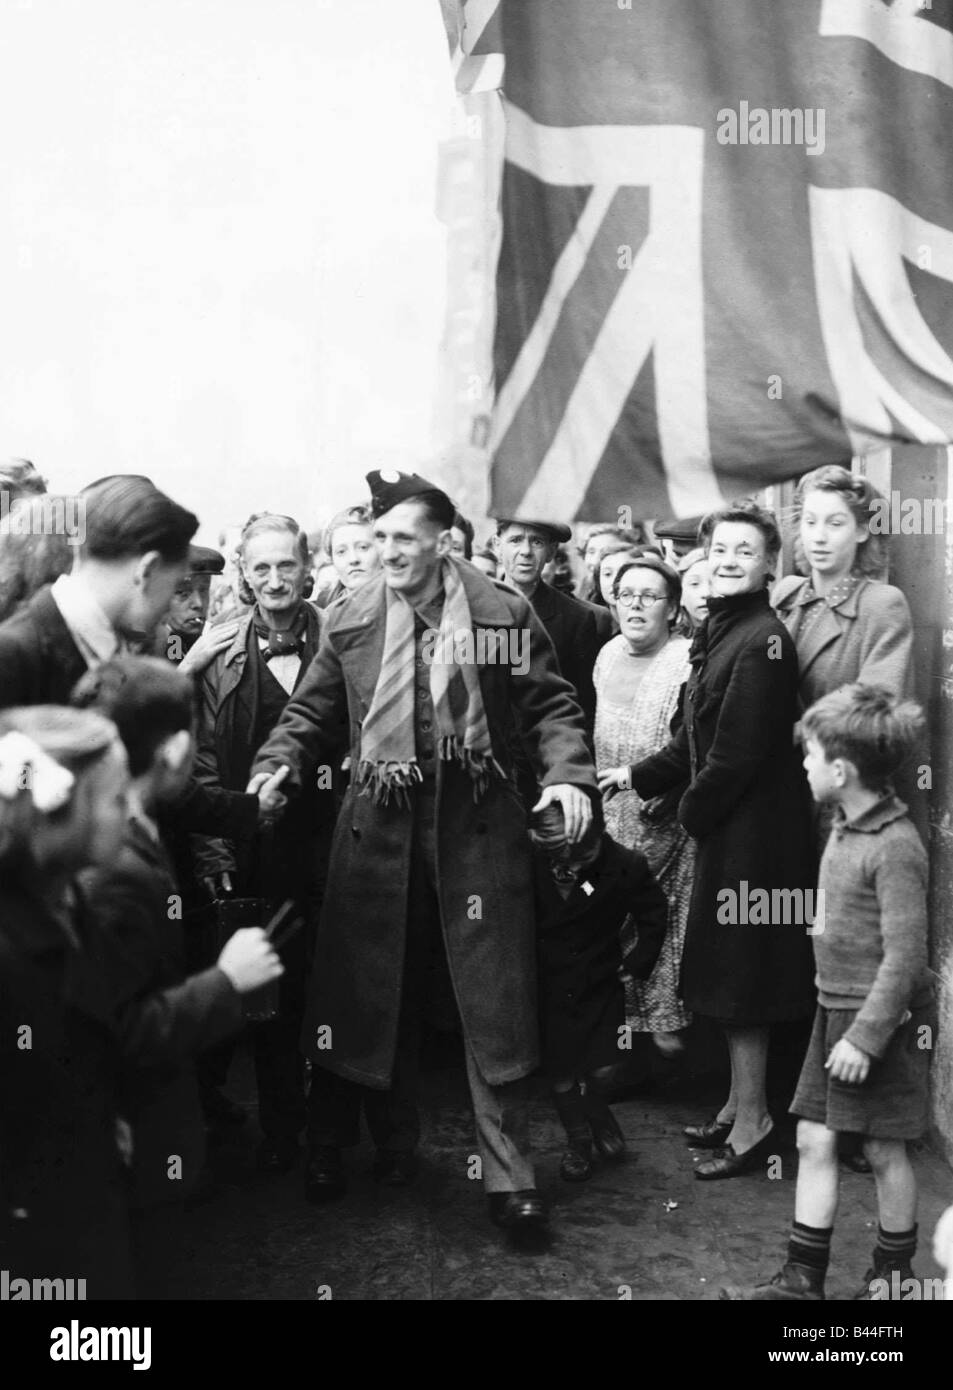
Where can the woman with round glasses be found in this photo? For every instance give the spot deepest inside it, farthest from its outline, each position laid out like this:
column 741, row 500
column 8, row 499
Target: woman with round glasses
column 637, row 676
column 747, row 962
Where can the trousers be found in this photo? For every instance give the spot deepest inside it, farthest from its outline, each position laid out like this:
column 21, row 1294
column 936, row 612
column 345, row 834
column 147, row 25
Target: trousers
column 500, row 1112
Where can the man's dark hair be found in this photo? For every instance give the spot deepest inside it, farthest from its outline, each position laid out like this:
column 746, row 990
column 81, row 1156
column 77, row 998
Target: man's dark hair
column 439, row 509
column 127, row 515
column 146, row 698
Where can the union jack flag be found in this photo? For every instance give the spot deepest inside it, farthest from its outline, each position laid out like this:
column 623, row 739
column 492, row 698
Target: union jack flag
column 727, row 250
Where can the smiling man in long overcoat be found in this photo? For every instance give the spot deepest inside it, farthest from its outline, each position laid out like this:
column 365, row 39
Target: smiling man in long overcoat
column 423, row 672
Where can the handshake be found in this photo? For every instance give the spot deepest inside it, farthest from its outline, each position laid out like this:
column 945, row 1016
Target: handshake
column 271, row 800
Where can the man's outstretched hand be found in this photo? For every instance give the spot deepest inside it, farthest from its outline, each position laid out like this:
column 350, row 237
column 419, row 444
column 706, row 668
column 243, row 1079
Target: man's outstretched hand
column 577, row 808
column 271, row 800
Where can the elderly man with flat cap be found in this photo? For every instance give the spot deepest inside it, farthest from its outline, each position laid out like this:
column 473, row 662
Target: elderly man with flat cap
column 525, row 549
column 425, row 670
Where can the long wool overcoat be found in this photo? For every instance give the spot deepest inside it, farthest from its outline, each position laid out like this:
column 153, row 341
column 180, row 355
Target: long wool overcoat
column 484, row 870
column 748, row 807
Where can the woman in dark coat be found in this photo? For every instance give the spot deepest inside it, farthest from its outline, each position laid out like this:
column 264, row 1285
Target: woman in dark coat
column 747, row 961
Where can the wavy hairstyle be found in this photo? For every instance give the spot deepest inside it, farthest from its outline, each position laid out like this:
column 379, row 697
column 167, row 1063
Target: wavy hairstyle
column 860, row 496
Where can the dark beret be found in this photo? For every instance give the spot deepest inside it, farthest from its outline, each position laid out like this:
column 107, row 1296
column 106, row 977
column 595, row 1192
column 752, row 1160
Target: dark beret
column 389, row 487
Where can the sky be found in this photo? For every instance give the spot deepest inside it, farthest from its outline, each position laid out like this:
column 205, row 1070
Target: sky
column 219, row 259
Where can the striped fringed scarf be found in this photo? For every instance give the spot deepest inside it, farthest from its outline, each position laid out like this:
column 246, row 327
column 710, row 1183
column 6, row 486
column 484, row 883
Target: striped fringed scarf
column 388, row 762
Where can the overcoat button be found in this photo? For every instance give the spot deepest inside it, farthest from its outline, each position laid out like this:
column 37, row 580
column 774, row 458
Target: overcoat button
column 355, row 832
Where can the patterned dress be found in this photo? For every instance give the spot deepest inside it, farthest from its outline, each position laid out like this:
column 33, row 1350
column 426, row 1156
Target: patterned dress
column 626, row 733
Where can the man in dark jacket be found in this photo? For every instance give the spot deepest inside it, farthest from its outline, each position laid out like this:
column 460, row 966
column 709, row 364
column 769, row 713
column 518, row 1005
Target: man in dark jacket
column 244, row 693
column 133, row 553
column 428, row 666
column 525, row 549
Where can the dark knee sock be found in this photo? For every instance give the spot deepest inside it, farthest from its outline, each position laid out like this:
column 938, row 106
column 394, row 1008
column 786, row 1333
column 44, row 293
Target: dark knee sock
column 895, row 1247
column 810, row 1245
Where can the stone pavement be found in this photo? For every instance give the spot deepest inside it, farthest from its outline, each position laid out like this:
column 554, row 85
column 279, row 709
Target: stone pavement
column 644, row 1229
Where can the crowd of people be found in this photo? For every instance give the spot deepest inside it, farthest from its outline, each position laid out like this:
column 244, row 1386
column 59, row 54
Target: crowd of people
column 326, row 791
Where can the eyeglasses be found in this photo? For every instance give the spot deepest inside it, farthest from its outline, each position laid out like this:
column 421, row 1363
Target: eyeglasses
column 627, row 598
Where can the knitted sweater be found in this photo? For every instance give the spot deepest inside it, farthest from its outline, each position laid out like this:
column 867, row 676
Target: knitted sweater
column 871, row 954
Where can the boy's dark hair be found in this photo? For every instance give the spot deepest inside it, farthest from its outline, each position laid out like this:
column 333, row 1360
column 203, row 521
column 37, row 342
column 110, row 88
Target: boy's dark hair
column 547, row 828
column 147, row 699
column 752, row 514
column 127, row 515
column 867, row 725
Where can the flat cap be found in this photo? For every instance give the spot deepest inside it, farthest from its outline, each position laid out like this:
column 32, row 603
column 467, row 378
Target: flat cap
column 204, row 560
column 559, row 531
column 678, row 528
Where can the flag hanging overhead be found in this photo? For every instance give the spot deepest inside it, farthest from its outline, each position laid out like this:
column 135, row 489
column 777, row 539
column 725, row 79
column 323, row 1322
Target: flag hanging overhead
column 727, row 248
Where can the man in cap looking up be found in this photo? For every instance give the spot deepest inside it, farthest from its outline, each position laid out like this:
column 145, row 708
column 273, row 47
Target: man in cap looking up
column 181, row 638
column 525, row 549
column 430, row 849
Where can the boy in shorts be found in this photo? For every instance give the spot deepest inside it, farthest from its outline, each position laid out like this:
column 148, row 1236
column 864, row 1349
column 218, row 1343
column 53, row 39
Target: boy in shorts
column 867, row 1063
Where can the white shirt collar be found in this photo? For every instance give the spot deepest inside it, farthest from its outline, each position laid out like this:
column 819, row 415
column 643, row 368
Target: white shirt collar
column 88, row 625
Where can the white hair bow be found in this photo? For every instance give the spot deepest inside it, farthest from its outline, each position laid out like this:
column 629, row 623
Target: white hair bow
column 25, row 767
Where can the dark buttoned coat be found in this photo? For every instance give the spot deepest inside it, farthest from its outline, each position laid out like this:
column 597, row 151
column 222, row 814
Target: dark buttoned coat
column 483, row 862
column 748, row 806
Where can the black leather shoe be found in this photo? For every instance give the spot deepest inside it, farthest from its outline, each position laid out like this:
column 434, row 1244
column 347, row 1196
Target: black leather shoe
column 324, row 1178
column 576, row 1165
column 711, row 1135
column 522, row 1215
column 728, row 1164
column 793, row 1284
column 277, row 1155
column 395, row 1169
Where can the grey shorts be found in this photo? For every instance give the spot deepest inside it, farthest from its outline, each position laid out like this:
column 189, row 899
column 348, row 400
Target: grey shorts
column 893, row 1103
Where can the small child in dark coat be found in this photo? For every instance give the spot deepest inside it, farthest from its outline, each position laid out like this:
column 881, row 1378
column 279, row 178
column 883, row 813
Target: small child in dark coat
column 585, row 895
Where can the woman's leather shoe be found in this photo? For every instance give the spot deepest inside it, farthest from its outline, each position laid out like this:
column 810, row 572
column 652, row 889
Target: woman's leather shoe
column 711, row 1135
column 728, row 1164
